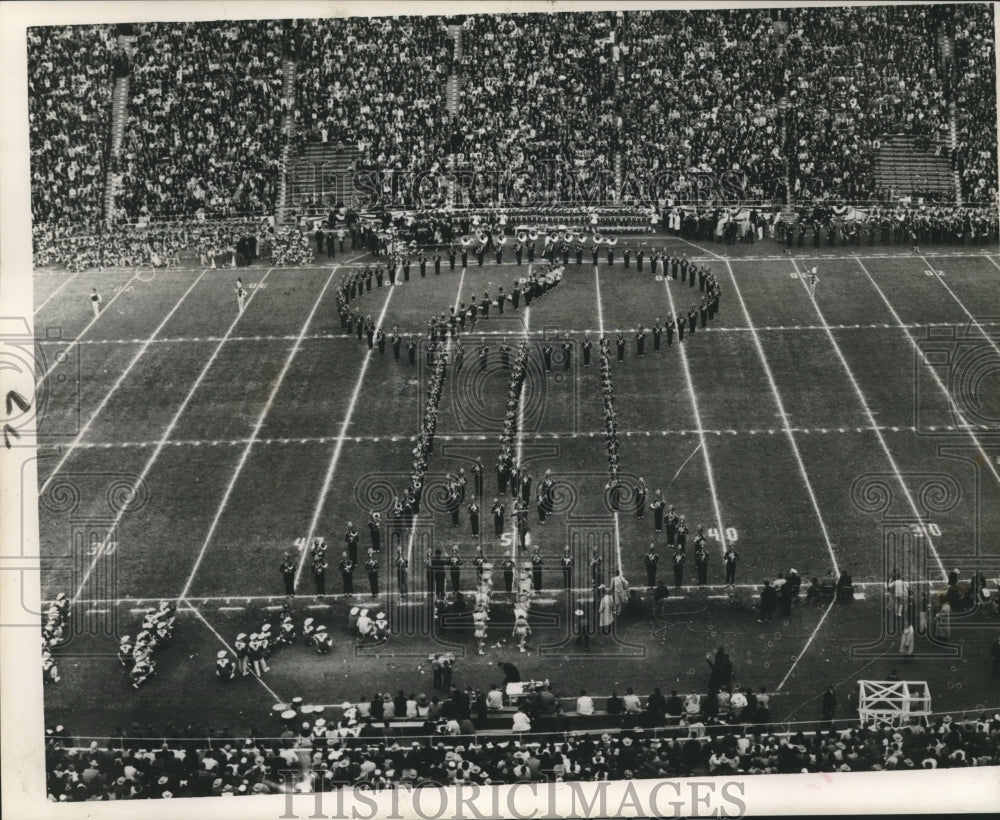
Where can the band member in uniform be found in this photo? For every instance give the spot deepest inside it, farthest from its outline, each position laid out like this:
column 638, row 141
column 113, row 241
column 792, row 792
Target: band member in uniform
column 437, row 263
column 477, row 476
column 640, row 499
column 657, row 505
column 319, row 575
column 347, row 573
column 567, row 351
column 626, row 254
column 681, row 323
column 579, row 252
column 517, row 252
column 515, row 295
column 620, row 343
column 351, row 538
column 484, row 352
column 657, row 333
column 639, row 254
column 731, row 558
column 536, row 570
column 411, row 351
column 507, row 565
column 380, row 340
column 287, row 570
column 651, row 559
column 566, row 562
column 455, row 569
column 402, row 570
column 372, row 566
column 499, row 512
column 682, row 531
column 501, row 299
column 701, row 562
column 679, row 559
column 671, row 526
column 451, row 257
column 474, row 517
column 595, row 252
column 669, row 329
column 640, row 342
column 531, row 253
column 585, row 348
column 547, row 357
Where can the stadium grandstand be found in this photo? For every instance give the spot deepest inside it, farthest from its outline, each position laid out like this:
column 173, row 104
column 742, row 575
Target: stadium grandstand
column 339, row 164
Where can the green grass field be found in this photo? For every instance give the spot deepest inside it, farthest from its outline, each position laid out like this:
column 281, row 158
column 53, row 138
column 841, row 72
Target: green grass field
column 251, row 432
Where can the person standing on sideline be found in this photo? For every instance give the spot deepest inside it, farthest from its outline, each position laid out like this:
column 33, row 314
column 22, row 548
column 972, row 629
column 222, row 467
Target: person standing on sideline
column 372, row 566
column 829, row 705
column 606, row 613
column 731, row 558
column 651, row 560
column 95, row 302
column 619, row 592
column 813, row 281
column 241, row 295
column 287, row 569
column 402, row 570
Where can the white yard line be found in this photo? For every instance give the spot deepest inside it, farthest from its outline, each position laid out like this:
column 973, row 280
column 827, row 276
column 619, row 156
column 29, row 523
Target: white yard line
column 519, row 442
column 184, row 604
column 972, row 319
column 963, row 423
column 569, row 332
column 99, row 554
column 253, row 436
column 786, row 426
column 61, row 357
column 339, row 446
column 699, row 247
column 118, row 382
column 871, row 418
column 52, row 295
column 697, row 420
column 447, row 353
column 600, row 331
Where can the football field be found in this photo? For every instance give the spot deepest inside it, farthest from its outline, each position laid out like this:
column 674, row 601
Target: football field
column 185, row 447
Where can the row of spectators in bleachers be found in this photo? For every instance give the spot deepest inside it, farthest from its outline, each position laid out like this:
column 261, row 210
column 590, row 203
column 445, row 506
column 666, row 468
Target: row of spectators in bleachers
column 70, row 79
column 853, row 76
column 974, row 93
column 204, row 121
column 186, row 768
column 377, row 84
column 698, row 91
column 538, row 99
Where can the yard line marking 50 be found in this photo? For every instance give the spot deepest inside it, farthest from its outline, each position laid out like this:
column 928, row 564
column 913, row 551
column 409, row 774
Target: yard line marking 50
column 871, row 418
column 99, row 553
column 118, row 382
column 253, row 435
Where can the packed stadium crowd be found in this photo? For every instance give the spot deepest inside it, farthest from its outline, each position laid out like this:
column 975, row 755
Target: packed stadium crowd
column 975, row 102
column 310, row 758
column 540, row 98
column 389, row 103
column 69, row 115
column 204, row 120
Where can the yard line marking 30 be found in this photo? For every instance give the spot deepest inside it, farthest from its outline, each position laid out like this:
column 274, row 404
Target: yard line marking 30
column 697, row 420
column 963, row 425
column 871, row 418
column 339, row 446
column 118, row 382
column 253, row 435
column 61, row 357
column 100, row 552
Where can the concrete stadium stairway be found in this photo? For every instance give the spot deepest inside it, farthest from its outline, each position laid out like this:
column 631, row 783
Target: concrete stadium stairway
column 289, row 69
column 119, row 114
column 903, row 167
column 453, row 98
